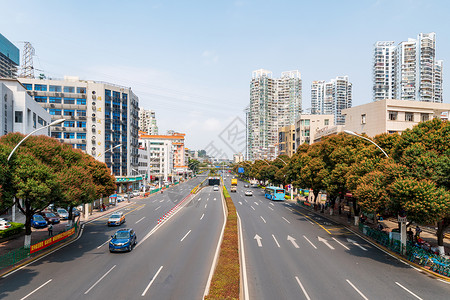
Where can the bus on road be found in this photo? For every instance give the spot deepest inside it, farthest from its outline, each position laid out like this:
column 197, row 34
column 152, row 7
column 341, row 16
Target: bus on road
column 274, row 193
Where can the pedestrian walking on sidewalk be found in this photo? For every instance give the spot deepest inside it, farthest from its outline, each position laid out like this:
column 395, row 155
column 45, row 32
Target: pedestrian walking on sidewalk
column 50, row 230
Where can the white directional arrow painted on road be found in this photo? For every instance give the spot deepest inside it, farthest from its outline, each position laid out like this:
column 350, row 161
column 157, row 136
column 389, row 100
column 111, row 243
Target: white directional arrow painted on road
column 356, row 244
column 325, row 242
column 240, row 202
column 258, row 240
column 292, row 240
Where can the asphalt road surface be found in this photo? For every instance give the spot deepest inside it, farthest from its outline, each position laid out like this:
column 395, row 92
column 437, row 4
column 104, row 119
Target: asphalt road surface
column 291, row 253
column 171, row 261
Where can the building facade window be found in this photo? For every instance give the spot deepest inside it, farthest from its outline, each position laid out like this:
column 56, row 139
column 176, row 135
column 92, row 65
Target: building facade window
column 81, row 101
column 28, row 86
column 81, row 113
column 40, row 87
column 393, row 115
column 327, row 122
column 69, row 124
column 34, row 120
column 41, row 121
column 409, row 117
column 54, row 88
column 69, row 89
column 56, row 135
column 54, row 100
column 81, row 124
column 81, row 90
column 81, row 146
column 55, row 112
column 69, row 135
column 424, row 117
column 81, row 135
column 363, row 119
column 69, row 100
column 40, row 99
column 18, row 117
column 69, row 112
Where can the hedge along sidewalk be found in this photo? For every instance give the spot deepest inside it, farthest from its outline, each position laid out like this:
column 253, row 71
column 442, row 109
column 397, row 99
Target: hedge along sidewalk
column 225, row 282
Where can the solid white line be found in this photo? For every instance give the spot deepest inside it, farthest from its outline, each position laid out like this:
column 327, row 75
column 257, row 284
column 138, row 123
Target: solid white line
column 185, row 236
column 303, row 289
column 310, row 242
column 36, row 289
column 408, row 290
column 286, row 220
column 103, row 244
column 263, row 219
column 244, row 267
column 270, row 207
column 140, row 220
column 341, row 244
column 444, row 281
column 252, row 207
column 202, row 216
column 276, row 241
column 158, row 207
column 153, row 279
column 99, row 280
column 356, row 289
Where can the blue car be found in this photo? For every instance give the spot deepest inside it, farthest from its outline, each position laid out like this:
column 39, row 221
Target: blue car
column 38, row 221
column 122, row 240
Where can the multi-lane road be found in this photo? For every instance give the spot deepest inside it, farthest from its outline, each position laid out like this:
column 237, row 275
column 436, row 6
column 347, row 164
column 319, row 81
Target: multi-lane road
column 291, row 253
column 288, row 253
column 172, row 260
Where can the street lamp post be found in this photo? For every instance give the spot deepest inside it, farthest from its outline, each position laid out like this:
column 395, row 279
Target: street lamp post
column 57, row 122
column 402, row 223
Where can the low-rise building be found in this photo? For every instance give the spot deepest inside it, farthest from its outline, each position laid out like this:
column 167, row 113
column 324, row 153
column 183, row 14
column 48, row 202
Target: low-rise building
column 307, row 126
column 390, row 116
column 19, row 112
column 238, row 157
column 286, row 140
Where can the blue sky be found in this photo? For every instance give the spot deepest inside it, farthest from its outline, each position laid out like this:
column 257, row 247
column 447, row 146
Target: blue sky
column 191, row 61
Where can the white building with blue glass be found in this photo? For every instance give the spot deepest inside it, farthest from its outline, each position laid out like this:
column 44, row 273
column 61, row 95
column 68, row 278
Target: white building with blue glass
column 9, row 58
column 99, row 116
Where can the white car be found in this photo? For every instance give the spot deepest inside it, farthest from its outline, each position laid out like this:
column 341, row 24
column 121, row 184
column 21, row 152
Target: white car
column 4, row 224
column 216, row 188
column 136, row 193
column 248, row 193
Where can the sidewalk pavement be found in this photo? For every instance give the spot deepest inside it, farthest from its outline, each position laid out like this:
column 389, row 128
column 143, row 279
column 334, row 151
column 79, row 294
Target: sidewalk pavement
column 428, row 234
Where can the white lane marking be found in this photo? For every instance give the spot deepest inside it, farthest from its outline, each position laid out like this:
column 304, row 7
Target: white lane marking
column 139, row 220
column 289, row 204
column 263, row 219
column 356, row 289
column 356, row 244
column 258, row 240
column 245, row 200
column 441, row 280
column 310, row 242
column 276, row 241
column 260, row 201
column 256, row 203
column 325, row 242
column 154, row 201
column 341, row 244
column 158, row 207
column 292, row 240
column 153, row 279
column 270, row 207
column 206, row 205
column 99, row 280
column 140, row 207
column 290, row 209
column 303, row 289
column 36, row 289
column 162, row 200
column 408, row 290
column 202, row 216
column 244, row 267
column 103, row 244
column 271, row 203
column 215, row 199
column 199, row 199
column 240, row 202
column 185, row 235
column 252, row 207
column 286, row 220
column 207, row 199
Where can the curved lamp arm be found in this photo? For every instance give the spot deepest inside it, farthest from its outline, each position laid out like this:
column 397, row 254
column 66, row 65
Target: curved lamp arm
column 354, row 134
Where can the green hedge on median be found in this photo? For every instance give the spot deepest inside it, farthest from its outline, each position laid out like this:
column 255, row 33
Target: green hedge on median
column 13, row 230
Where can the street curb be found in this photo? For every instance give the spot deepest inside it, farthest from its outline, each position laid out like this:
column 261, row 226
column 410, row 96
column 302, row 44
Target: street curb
column 384, row 249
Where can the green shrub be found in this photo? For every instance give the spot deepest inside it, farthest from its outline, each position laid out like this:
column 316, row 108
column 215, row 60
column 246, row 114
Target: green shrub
column 14, row 229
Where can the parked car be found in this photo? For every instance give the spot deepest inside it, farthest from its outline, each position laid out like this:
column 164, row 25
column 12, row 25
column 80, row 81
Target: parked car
column 246, row 185
column 136, row 193
column 216, row 188
column 38, row 221
column 75, row 212
column 248, row 193
column 4, row 224
column 116, row 218
column 119, row 199
column 123, row 240
column 50, row 217
column 254, row 185
column 62, row 213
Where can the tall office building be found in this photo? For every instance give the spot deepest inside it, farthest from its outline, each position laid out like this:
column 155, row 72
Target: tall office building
column 147, row 121
column 274, row 103
column 408, row 71
column 99, row 116
column 330, row 98
column 9, row 58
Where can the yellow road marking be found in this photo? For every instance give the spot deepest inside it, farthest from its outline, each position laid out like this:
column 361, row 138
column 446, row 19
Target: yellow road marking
column 313, row 221
column 140, row 206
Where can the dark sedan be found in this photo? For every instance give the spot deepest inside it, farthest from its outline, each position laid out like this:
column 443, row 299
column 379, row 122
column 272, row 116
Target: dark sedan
column 50, row 217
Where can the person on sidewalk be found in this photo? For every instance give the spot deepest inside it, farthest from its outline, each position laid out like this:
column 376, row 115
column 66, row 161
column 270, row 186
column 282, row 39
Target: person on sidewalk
column 418, row 231
column 50, row 230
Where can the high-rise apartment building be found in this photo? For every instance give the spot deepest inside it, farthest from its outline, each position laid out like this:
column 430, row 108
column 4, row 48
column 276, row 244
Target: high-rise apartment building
column 9, row 58
column 99, row 116
column 408, row 71
column 274, row 103
column 330, row 98
column 147, row 121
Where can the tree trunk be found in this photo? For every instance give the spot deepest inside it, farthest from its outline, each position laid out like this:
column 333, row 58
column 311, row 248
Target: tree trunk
column 442, row 226
column 70, row 219
column 28, row 216
column 316, row 195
